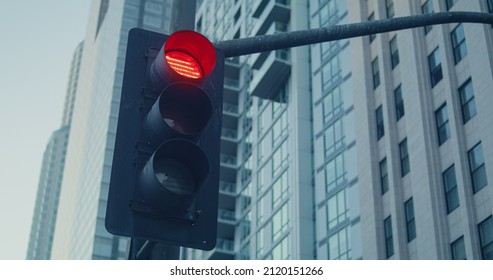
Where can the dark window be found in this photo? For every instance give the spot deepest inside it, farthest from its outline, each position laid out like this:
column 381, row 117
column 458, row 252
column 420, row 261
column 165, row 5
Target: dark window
column 459, row 43
column 435, row 67
column 376, row 73
column 237, row 15
column 490, row 6
column 450, row 3
column 380, row 126
column 486, row 238
column 371, row 18
column 427, row 8
column 389, row 242
column 410, row 223
column 443, row 128
column 389, row 4
column 384, row 176
column 477, row 168
column 394, row 52
column 458, row 249
column 404, row 155
column 450, row 186
column 467, row 102
column 399, row 103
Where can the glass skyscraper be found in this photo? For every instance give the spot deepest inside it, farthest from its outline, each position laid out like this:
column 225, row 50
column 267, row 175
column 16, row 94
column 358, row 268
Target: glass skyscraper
column 80, row 231
column 50, row 180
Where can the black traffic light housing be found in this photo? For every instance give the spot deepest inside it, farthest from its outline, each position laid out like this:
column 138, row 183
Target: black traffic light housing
column 165, row 176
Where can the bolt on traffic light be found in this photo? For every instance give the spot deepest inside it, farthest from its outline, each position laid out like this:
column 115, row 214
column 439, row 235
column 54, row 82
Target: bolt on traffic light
column 165, row 176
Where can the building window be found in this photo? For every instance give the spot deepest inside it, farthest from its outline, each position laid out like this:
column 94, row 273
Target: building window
column 371, row 18
column 337, row 210
column 410, row 223
column 458, row 249
column 280, row 189
column 477, row 168
column 328, row 13
column 281, row 251
column 333, row 137
column 443, row 128
column 280, row 222
column 450, row 186
column 331, row 73
column 459, row 43
column 486, row 238
column 332, row 104
column 339, row 245
column 467, row 102
column 384, row 176
column 427, row 8
column 399, row 103
column 380, row 126
column 435, row 67
column 450, row 3
column 394, row 52
column 404, row 155
column 389, row 7
column 376, row 73
column 389, row 242
column 335, row 174
column 490, row 6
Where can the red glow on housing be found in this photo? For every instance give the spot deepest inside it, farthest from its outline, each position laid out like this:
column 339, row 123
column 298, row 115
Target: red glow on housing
column 184, row 64
column 190, row 54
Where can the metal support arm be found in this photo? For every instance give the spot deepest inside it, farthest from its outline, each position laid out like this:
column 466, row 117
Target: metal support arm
column 263, row 43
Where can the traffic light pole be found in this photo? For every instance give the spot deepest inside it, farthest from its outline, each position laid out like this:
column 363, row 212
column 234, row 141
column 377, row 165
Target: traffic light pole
column 284, row 40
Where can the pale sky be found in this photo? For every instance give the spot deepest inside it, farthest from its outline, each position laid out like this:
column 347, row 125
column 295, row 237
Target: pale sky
column 37, row 40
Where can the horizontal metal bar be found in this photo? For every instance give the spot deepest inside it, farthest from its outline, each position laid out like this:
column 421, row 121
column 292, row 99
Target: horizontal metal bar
column 263, row 43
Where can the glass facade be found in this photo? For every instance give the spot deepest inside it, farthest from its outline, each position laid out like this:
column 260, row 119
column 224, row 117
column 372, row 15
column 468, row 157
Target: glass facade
column 81, row 233
column 334, row 139
column 50, row 182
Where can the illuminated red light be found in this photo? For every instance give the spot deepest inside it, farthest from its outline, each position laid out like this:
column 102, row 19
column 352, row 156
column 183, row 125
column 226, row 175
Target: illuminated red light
column 189, row 54
column 184, row 64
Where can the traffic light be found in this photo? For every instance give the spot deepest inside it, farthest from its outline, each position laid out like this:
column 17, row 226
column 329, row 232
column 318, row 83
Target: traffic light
column 165, row 175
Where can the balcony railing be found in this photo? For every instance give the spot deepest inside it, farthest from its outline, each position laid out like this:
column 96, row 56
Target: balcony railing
column 233, row 83
column 228, row 159
column 225, row 245
column 227, row 186
column 229, row 133
column 226, row 215
column 230, row 108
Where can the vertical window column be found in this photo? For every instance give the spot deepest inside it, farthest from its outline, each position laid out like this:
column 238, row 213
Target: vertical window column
column 427, row 8
column 389, row 240
column 435, row 67
column 404, row 156
column 486, row 238
column 384, row 177
column 389, row 8
column 458, row 43
column 458, row 249
column 450, row 186
column 410, row 222
column 443, row 128
column 380, row 125
column 467, row 102
column 477, row 168
column 375, row 72
column 394, row 52
column 399, row 103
